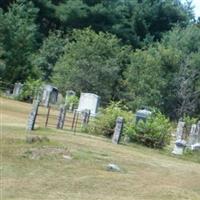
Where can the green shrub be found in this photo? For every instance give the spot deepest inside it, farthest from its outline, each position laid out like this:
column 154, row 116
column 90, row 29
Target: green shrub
column 71, row 102
column 104, row 123
column 30, row 89
column 155, row 132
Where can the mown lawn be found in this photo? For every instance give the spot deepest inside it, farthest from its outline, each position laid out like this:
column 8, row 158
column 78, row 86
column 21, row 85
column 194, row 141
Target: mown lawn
column 73, row 166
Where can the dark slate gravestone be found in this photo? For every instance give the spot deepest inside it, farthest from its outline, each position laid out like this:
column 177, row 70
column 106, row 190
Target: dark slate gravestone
column 118, row 130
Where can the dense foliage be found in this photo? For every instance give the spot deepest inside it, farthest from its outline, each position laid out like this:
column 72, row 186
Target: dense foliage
column 155, row 132
column 140, row 52
column 104, row 123
column 91, row 63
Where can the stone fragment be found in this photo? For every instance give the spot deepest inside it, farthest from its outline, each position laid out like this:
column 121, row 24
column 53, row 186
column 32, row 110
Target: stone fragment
column 113, row 168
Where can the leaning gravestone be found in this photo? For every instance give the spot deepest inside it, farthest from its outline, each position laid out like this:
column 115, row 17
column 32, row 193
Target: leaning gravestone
column 118, row 130
column 17, row 89
column 89, row 101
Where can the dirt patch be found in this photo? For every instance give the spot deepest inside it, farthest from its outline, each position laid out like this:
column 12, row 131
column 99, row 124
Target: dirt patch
column 45, row 152
column 34, row 139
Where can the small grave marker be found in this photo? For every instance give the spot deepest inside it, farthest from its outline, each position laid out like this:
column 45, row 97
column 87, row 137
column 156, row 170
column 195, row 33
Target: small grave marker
column 118, row 130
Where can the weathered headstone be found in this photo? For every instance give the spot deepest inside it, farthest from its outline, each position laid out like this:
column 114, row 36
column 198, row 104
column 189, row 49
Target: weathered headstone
column 61, row 117
column 180, row 144
column 198, row 132
column 89, row 101
column 179, row 130
column 179, row 147
column 17, row 89
column 50, row 95
column 69, row 93
column 118, row 130
column 142, row 114
column 33, row 115
column 193, row 136
column 60, row 99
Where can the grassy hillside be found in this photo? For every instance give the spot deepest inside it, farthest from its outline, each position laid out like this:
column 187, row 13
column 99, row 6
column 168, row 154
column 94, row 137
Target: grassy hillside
column 74, row 166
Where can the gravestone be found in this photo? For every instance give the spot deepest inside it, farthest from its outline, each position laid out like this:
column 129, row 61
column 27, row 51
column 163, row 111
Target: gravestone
column 193, row 136
column 17, row 89
column 118, row 130
column 69, row 93
column 142, row 114
column 33, row 115
column 60, row 99
column 49, row 95
column 179, row 147
column 179, row 130
column 198, row 132
column 89, row 101
column 180, row 144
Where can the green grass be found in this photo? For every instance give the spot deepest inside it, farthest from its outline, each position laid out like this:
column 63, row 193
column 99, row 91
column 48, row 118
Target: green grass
column 146, row 173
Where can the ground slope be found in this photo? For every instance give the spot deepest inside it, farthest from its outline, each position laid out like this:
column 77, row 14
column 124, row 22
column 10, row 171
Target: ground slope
column 45, row 170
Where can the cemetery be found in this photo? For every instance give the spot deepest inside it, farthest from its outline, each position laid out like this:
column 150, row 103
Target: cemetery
column 56, row 138
column 99, row 100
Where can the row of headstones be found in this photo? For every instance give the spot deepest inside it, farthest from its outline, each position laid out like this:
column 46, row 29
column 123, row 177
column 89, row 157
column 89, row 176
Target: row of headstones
column 60, row 119
column 50, row 94
column 192, row 141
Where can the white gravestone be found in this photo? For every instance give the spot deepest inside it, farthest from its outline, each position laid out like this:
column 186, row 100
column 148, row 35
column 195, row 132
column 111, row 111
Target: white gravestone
column 89, row 101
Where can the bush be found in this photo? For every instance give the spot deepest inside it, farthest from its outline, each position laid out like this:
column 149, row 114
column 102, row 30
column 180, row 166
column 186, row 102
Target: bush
column 30, row 89
column 104, row 123
column 71, row 102
column 155, row 132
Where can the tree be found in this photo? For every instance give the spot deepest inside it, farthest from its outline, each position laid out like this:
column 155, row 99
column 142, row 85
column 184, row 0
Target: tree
column 144, row 79
column 166, row 75
column 132, row 21
column 50, row 51
column 188, row 86
column 91, row 63
column 18, row 35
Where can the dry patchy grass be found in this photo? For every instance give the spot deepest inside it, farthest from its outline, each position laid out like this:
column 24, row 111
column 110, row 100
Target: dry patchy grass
column 146, row 174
